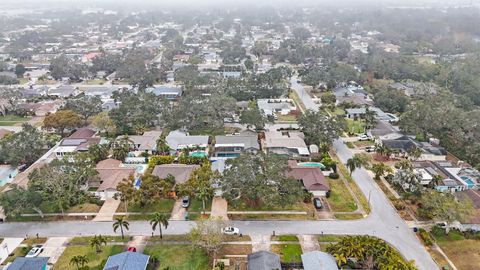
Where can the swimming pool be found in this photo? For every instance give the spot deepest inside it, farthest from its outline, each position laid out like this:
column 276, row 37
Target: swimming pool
column 200, row 154
column 312, row 164
column 140, row 168
column 470, row 183
column 7, row 173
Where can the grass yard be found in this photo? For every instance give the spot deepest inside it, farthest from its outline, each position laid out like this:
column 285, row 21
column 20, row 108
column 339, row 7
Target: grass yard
column 160, row 205
column 285, row 238
column 95, row 82
column 18, row 252
column 348, row 216
column 286, row 118
column 464, row 253
column 234, row 250
column 355, row 126
column 12, row 120
column 196, row 205
column 363, row 143
column 178, row 257
column 270, row 217
column 288, row 252
column 96, row 261
column 340, row 199
column 85, row 208
column 330, row 238
column 85, row 241
column 241, row 206
column 293, row 95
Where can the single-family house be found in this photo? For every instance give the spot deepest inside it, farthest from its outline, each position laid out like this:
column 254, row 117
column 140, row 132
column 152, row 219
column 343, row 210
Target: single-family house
column 403, row 145
column 43, row 108
column 63, row 91
column 181, row 172
column 169, row 92
column 79, row 141
column 178, row 140
column 272, row 107
column 103, row 92
column 263, row 260
column 111, row 172
column 317, row 260
column 234, row 145
column 23, row 263
column 311, row 177
column 146, row 142
column 127, row 261
column 290, row 143
column 359, row 113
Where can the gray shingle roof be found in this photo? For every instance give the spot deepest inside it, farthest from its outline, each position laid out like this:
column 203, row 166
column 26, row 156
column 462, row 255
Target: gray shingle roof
column 316, row 260
column 22, row 263
column 127, row 261
column 248, row 141
column 263, row 260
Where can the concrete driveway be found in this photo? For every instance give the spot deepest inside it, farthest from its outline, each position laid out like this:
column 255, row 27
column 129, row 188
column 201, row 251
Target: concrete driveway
column 178, row 212
column 54, row 248
column 219, row 208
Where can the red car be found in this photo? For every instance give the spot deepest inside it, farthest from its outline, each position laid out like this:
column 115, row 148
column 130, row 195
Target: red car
column 132, row 249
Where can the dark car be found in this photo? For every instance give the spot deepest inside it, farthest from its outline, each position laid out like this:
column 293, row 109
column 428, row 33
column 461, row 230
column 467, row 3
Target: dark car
column 317, row 203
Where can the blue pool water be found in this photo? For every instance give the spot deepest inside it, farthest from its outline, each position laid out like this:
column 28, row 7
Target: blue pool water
column 198, row 154
column 7, row 173
column 470, row 183
column 140, row 168
column 311, row 164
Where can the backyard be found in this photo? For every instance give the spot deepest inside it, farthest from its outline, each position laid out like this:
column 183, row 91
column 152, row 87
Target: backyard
column 355, row 126
column 12, row 120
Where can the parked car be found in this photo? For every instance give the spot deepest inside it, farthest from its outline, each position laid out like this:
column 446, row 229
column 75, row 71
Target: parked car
column 185, row 202
column 364, row 137
column 132, row 249
column 35, row 251
column 231, row 231
column 317, row 203
column 370, row 148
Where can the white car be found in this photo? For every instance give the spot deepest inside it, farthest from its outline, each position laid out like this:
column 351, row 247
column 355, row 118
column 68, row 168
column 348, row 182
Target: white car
column 35, row 251
column 364, row 137
column 231, row 231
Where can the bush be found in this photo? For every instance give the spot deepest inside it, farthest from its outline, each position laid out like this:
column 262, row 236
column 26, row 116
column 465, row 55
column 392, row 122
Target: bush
column 350, row 145
column 427, row 239
column 307, row 197
column 334, row 175
column 398, row 205
column 191, row 160
column 159, row 160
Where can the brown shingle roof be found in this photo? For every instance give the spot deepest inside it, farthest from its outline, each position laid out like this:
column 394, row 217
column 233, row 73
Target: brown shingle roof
column 82, row 133
column 111, row 174
column 312, row 177
column 181, row 172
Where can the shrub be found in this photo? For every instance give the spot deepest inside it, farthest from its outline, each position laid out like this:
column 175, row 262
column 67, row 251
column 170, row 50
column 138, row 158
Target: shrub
column 159, row 160
column 398, row 205
column 307, row 197
column 427, row 239
column 350, row 145
column 191, row 160
column 334, row 175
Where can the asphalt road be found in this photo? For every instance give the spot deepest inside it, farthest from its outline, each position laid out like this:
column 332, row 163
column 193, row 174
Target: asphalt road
column 383, row 221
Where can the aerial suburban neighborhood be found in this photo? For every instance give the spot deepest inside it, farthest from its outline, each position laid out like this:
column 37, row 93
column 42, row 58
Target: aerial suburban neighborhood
column 249, row 135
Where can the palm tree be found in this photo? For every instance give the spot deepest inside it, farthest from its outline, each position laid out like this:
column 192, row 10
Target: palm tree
column 380, row 169
column 415, row 152
column 355, row 162
column 370, row 119
column 159, row 219
column 79, row 261
column 121, row 223
column 380, row 149
column 97, row 241
column 122, row 148
column 204, row 193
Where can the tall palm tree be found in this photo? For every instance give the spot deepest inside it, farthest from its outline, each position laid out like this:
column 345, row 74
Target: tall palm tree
column 380, row 169
column 370, row 118
column 79, row 261
column 159, row 219
column 355, row 162
column 204, row 193
column 121, row 223
column 97, row 241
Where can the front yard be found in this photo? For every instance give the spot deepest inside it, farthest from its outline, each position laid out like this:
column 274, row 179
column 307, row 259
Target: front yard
column 464, row 253
column 355, row 126
column 340, row 199
column 159, row 205
column 289, row 253
column 96, row 261
column 178, row 257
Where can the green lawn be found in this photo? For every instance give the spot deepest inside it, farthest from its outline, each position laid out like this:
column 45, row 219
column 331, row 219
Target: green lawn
column 96, row 261
column 355, row 126
column 81, row 241
column 178, row 257
column 287, row 118
column 160, row 205
column 288, row 252
column 196, row 205
column 241, row 206
column 18, row 252
column 285, row 238
column 11, row 120
column 459, row 250
column 340, row 199
column 330, row 238
column 96, row 81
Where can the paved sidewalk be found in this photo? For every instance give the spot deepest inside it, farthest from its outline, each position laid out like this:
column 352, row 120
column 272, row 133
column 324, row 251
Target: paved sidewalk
column 308, row 242
column 7, row 246
column 219, row 208
column 178, row 212
column 54, row 247
column 107, row 211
